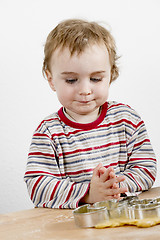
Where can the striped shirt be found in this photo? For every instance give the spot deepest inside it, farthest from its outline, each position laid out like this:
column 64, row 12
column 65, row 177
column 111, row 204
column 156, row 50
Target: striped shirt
column 63, row 155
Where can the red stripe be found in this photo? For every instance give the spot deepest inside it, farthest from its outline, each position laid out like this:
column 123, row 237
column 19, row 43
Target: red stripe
column 92, row 148
column 111, row 165
column 40, row 135
column 46, row 120
column 42, row 172
column 140, row 188
column 57, row 175
column 118, row 104
column 35, row 185
column 53, row 192
column 142, row 159
column 83, row 195
column 69, row 194
column 146, row 170
column 119, row 122
column 67, row 134
column 40, row 153
column 140, row 143
column 122, row 162
column 140, row 123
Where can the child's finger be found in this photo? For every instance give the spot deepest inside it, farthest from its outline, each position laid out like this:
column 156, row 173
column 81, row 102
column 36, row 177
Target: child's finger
column 120, row 179
column 106, row 176
column 109, row 183
column 112, row 174
column 96, row 170
column 102, row 170
column 113, row 192
column 115, row 186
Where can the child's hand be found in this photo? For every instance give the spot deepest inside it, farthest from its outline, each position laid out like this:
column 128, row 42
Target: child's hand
column 111, row 174
column 104, row 185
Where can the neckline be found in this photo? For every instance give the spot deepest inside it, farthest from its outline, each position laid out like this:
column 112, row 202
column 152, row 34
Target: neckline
column 84, row 126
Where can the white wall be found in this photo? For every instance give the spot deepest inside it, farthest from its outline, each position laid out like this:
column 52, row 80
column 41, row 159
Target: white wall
column 25, row 97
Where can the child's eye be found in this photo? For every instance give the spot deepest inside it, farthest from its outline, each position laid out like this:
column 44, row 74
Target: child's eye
column 71, row 81
column 95, row 79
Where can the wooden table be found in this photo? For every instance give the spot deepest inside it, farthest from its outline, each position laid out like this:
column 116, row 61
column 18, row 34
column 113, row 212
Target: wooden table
column 47, row 224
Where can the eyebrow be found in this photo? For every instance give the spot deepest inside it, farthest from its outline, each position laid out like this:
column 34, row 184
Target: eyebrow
column 67, row 73
column 96, row 72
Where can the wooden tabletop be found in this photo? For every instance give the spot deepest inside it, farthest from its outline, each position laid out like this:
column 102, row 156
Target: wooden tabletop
column 57, row 224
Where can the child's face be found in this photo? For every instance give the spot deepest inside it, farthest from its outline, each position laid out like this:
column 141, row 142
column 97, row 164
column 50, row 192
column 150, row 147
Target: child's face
column 81, row 81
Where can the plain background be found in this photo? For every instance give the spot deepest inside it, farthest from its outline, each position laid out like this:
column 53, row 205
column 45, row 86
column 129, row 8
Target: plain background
column 25, row 96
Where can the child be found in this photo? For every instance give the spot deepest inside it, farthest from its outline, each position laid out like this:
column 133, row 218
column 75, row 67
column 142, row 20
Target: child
column 90, row 150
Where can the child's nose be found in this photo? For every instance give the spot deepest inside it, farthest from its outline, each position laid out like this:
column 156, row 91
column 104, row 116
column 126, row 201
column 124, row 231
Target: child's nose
column 85, row 88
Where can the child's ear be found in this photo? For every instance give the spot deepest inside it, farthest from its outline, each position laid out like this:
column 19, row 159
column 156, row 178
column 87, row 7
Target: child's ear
column 50, row 80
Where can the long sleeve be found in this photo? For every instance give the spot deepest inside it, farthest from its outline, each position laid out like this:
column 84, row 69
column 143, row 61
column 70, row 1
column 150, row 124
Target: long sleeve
column 140, row 169
column 46, row 182
column 63, row 155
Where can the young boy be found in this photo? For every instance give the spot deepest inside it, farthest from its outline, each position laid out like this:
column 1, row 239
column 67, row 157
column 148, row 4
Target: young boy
column 90, row 150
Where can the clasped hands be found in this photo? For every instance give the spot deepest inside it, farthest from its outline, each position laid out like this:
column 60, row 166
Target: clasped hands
column 104, row 185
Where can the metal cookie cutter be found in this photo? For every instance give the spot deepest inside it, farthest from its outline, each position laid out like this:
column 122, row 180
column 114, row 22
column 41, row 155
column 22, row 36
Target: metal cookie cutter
column 129, row 208
column 87, row 216
column 115, row 209
column 146, row 208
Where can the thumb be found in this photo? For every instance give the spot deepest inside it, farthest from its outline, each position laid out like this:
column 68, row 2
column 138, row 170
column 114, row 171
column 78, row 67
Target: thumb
column 96, row 169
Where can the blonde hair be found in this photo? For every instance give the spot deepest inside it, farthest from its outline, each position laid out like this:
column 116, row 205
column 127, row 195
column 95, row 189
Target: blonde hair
column 76, row 34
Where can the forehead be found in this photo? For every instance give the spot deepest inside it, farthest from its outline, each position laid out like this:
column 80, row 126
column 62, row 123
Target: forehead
column 97, row 53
